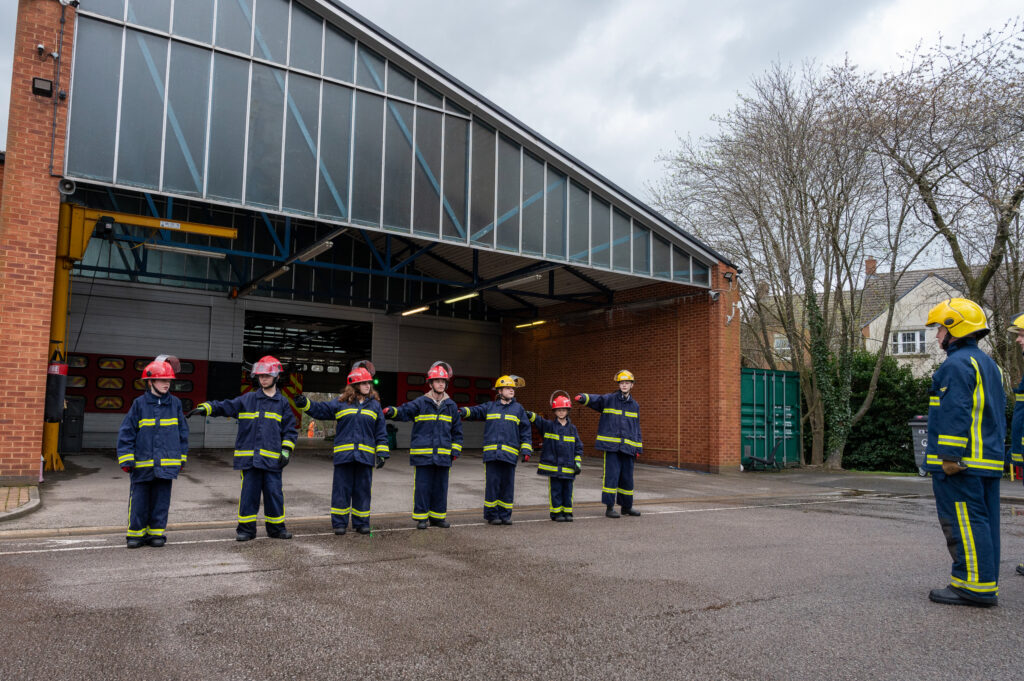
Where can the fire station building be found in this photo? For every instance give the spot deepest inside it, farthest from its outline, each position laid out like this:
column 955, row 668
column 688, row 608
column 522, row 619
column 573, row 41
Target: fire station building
column 224, row 179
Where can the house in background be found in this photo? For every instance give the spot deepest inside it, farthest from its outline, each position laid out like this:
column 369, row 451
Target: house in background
column 917, row 292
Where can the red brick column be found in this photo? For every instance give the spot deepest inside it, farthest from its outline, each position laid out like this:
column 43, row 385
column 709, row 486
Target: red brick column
column 29, row 207
column 674, row 339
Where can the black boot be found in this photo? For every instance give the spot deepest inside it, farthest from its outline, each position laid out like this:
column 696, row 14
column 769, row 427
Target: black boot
column 440, row 522
column 568, row 517
column 243, row 536
column 1020, row 569
column 630, row 511
column 421, row 525
column 555, row 516
column 156, row 542
column 560, row 518
column 496, row 521
column 340, row 530
column 948, row 596
column 135, row 542
column 611, row 513
column 280, row 534
column 365, row 529
column 506, row 521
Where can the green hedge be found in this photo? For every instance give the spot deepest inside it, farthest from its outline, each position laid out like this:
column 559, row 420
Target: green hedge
column 881, row 441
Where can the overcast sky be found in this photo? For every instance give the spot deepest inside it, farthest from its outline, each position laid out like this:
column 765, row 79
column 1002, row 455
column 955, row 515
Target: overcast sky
column 616, row 82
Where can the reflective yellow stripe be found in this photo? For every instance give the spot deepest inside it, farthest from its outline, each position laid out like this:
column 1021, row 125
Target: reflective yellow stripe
column 287, row 444
column 570, row 471
column 977, row 451
column 1019, row 397
column 345, row 412
column 510, row 450
column 445, row 417
column 125, row 458
column 511, row 417
column 933, row 401
column 169, row 422
column 633, row 443
column 146, row 422
column 369, row 412
column 344, row 448
column 246, row 518
column 276, row 520
column 144, row 464
column 456, row 446
column 382, row 448
column 967, row 539
column 952, row 441
column 436, row 515
column 632, row 415
column 605, row 438
column 984, row 464
column 155, row 531
column 248, row 414
column 269, row 454
column 609, row 410
column 490, row 448
column 526, row 446
column 360, row 514
column 137, row 533
column 366, row 448
column 503, row 504
column 1017, row 457
column 978, row 587
column 492, row 417
column 568, row 438
column 546, row 467
column 551, row 436
column 170, row 462
column 243, row 452
column 273, row 416
column 341, row 511
column 627, row 492
column 426, row 417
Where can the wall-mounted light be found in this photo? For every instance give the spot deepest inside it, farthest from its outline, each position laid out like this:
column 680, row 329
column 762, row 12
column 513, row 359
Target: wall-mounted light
column 529, row 324
column 276, row 273
column 184, row 251
column 415, row 310
column 714, row 295
column 465, row 296
column 42, row 87
column 525, row 280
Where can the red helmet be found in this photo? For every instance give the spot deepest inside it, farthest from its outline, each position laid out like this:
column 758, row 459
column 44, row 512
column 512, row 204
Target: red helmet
column 267, row 365
column 560, row 400
column 440, row 370
column 158, row 369
column 359, row 375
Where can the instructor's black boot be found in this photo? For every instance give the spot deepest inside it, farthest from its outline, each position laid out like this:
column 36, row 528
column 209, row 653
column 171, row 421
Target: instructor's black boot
column 560, row 518
column 611, row 513
column 135, row 542
column 440, row 522
column 497, row 521
column 156, row 542
column 630, row 511
column 281, row 534
column 421, row 525
column 365, row 529
column 243, row 536
column 568, row 517
column 948, row 596
column 340, row 530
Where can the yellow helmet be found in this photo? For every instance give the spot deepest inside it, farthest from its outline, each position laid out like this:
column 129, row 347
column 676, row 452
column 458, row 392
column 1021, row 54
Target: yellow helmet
column 624, row 375
column 509, row 381
column 960, row 317
column 1017, row 325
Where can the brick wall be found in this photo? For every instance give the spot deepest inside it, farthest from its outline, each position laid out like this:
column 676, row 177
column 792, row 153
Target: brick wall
column 674, row 339
column 29, row 207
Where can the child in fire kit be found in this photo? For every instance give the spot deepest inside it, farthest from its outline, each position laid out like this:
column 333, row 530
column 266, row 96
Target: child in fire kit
column 263, row 447
column 152, row 446
column 360, row 444
column 436, row 443
column 618, row 435
column 506, row 435
column 561, row 458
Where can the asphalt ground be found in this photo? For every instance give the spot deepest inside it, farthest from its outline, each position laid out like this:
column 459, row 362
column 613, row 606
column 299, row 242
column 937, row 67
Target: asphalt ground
column 757, row 576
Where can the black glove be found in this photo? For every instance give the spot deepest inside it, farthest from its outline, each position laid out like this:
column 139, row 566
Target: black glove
column 532, row 415
column 579, row 468
column 381, row 461
column 203, row 409
column 390, row 412
column 286, row 456
column 301, row 401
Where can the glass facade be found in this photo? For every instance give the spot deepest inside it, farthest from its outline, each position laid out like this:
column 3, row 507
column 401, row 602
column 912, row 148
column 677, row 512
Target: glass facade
column 264, row 104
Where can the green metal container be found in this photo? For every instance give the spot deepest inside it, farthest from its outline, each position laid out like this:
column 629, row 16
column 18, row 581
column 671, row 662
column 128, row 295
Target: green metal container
column 769, row 418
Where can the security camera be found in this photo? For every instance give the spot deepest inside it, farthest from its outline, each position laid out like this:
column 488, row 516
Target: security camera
column 728, row 276
column 66, row 187
column 71, row 3
column 714, row 295
column 41, row 49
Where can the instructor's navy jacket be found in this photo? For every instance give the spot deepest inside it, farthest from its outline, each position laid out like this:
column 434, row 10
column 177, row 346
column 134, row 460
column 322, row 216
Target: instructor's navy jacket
column 966, row 412
column 619, row 427
column 360, row 434
column 153, row 439
column 562, row 450
column 266, row 425
column 506, row 430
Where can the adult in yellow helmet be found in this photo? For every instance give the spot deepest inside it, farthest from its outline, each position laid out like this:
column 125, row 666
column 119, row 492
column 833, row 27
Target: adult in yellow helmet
column 1017, row 428
column 965, row 451
column 618, row 434
column 507, row 434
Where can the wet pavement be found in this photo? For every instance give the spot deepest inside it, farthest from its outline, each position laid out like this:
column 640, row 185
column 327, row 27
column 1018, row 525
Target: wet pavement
column 796, row 575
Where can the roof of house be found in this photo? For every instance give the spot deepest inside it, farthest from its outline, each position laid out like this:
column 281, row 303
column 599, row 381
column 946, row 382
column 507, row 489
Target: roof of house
column 878, row 286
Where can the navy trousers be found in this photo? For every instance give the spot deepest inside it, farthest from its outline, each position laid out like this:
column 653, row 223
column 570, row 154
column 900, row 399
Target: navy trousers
column 499, row 489
column 968, row 508
column 257, row 482
column 148, row 503
column 430, row 492
column 560, row 496
column 351, row 494
column 617, row 480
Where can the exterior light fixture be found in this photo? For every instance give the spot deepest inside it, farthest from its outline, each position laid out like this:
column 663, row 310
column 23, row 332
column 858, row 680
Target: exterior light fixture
column 529, row 324
column 465, row 296
column 184, row 251
column 525, row 280
column 415, row 310
column 42, row 87
column 276, row 273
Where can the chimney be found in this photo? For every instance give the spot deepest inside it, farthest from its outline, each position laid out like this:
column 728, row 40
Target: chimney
column 870, row 265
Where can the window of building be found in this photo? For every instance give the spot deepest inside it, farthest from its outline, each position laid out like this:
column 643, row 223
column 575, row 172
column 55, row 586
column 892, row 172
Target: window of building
column 781, row 346
column 908, row 342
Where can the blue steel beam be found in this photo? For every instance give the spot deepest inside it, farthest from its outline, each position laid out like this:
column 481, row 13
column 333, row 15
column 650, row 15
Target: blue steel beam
column 281, row 248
